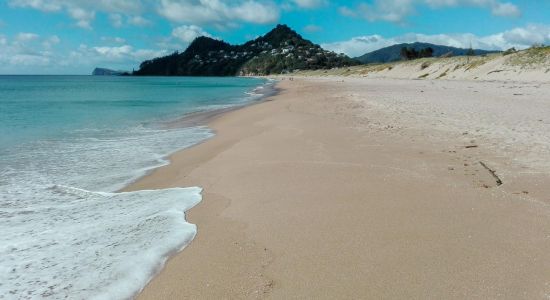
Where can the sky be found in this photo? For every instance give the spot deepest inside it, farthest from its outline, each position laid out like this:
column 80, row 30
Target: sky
column 75, row 36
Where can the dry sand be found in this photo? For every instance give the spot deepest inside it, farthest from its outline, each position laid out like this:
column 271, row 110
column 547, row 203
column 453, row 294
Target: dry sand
column 527, row 66
column 363, row 188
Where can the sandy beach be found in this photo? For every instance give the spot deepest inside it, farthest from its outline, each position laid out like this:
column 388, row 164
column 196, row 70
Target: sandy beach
column 340, row 188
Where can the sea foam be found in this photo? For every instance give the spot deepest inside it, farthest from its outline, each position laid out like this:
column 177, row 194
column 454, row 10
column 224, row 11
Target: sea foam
column 92, row 245
column 59, row 241
column 67, row 145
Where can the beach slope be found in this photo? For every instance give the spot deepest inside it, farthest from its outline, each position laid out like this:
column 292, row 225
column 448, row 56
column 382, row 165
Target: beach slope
column 368, row 188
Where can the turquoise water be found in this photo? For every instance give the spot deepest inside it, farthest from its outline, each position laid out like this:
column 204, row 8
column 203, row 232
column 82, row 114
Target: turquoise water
column 45, row 107
column 67, row 144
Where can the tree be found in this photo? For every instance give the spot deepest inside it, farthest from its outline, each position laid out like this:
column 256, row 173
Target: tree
column 404, row 53
column 426, row 52
column 411, row 53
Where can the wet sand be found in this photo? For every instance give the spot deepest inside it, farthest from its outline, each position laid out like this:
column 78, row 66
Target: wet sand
column 368, row 188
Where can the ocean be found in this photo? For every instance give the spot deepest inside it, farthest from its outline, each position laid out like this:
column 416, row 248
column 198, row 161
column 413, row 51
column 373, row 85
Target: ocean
column 67, row 145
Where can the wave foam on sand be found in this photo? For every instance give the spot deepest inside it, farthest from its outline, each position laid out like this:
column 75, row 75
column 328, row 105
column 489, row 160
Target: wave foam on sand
column 120, row 241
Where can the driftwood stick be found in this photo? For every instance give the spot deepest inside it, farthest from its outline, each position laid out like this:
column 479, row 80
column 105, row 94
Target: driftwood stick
column 493, row 172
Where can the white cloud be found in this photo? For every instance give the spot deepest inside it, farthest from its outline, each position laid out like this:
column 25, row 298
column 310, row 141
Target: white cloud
column 218, row 12
column 312, row 28
column 139, row 21
column 520, row 38
column 525, row 36
column 505, row 10
column 124, row 57
column 51, row 41
column 346, row 11
column 30, row 53
column 498, row 8
column 113, row 53
column 116, row 20
column 42, row 5
column 121, row 6
column 82, row 11
column 54, row 39
column 187, row 33
column 214, row 12
column 26, row 36
column 310, row 3
column 115, row 40
column 124, row 54
column 397, row 11
column 25, row 49
column 82, row 16
column 386, row 10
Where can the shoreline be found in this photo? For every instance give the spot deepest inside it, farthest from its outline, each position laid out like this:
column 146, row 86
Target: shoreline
column 203, row 118
column 268, row 175
column 196, row 119
column 200, row 119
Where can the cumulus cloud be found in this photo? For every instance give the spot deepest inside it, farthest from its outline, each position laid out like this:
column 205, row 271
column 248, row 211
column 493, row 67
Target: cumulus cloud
column 218, row 12
column 520, row 38
column 310, row 3
column 525, row 36
column 26, row 49
column 187, row 33
column 82, row 11
column 505, row 10
column 213, row 12
column 498, row 8
column 82, row 16
column 28, row 52
column 113, row 40
column 113, row 55
column 26, row 36
column 397, row 11
column 100, row 5
column 50, row 42
column 139, row 21
column 116, row 20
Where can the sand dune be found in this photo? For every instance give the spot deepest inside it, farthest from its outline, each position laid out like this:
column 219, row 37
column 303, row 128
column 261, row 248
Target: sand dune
column 532, row 65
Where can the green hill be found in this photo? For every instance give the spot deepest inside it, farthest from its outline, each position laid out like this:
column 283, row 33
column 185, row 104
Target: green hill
column 279, row 51
column 393, row 53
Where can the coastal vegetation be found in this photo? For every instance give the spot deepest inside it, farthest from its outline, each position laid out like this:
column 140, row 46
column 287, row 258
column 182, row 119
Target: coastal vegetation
column 108, row 72
column 538, row 55
column 408, row 53
column 530, row 64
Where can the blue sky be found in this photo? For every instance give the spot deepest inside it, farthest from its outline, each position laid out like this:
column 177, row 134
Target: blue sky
column 74, row 36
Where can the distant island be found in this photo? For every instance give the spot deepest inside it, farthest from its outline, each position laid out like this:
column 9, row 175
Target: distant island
column 281, row 50
column 108, row 72
column 395, row 52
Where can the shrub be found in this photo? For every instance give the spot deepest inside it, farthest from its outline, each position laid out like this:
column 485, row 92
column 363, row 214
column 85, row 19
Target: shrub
column 509, row 51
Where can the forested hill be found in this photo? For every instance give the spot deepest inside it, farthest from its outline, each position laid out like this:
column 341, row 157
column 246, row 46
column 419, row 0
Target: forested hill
column 279, row 51
column 393, row 53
